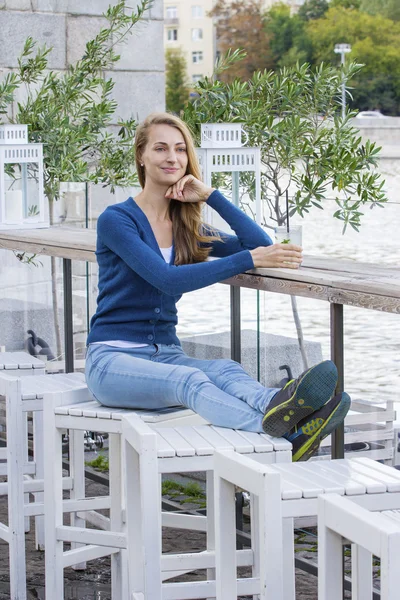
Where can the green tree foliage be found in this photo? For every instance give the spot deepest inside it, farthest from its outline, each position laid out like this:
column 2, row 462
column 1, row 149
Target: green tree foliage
column 70, row 113
column 313, row 9
column 375, row 42
column 385, row 8
column 287, row 39
column 302, row 152
column 177, row 88
column 345, row 4
column 240, row 25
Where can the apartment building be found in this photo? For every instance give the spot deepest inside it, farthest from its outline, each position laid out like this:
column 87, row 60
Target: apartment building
column 188, row 27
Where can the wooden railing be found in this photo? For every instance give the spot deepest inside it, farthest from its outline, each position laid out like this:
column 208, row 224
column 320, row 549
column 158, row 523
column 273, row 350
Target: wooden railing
column 339, row 282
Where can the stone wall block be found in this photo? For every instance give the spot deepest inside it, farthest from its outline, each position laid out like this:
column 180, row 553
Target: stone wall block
column 138, row 94
column 84, row 7
column 142, row 51
column 73, row 7
column 18, row 4
column 157, row 10
column 15, row 27
column 80, row 30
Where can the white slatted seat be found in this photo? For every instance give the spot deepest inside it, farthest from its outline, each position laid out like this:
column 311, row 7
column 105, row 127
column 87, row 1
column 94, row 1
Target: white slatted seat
column 26, row 395
column 176, row 448
column 20, row 364
column 341, row 521
column 366, row 482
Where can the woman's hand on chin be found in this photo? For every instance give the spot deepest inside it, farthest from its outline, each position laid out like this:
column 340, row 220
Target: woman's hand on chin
column 189, row 189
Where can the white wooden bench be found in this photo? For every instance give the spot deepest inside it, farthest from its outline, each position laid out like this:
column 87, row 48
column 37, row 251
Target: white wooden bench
column 365, row 482
column 341, row 521
column 17, row 364
column 175, row 449
column 26, row 395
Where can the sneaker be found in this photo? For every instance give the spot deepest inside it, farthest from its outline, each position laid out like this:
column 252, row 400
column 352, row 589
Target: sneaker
column 307, row 435
column 299, row 398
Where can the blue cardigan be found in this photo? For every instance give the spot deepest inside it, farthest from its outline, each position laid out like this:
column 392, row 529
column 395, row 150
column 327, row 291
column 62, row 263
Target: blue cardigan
column 138, row 290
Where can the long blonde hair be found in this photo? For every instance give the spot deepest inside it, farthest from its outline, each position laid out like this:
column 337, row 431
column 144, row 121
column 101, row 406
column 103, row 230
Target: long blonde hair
column 188, row 227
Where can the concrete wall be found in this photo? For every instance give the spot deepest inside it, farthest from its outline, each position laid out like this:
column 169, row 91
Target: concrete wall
column 67, row 25
column 385, row 131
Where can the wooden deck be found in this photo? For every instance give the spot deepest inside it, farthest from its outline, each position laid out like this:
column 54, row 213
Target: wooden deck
column 366, row 285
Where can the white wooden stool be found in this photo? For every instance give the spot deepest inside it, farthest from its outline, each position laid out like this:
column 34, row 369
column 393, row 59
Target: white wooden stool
column 17, row 364
column 175, row 448
column 364, row 481
column 25, row 395
column 340, row 521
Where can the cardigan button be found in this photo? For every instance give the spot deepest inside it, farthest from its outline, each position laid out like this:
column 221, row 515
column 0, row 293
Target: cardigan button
column 157, row 310
column 150, row 337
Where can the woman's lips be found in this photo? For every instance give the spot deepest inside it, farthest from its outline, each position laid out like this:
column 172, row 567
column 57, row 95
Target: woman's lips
column 170, row 170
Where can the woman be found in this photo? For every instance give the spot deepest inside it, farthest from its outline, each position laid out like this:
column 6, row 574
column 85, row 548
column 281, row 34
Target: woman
column 151, row 250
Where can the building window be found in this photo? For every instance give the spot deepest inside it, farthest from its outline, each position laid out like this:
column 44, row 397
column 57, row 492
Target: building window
column 197, row 12
column 171, row 12
column 196, row 78
column 172, row 35
column 197, row 34
column 197, row 57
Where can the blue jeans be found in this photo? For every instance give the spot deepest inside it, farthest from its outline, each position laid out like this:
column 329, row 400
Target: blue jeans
column 161, row 376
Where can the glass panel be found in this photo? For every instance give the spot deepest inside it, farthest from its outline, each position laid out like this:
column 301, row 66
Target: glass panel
column 21, row 182
column 204, row 322
column 26, row 305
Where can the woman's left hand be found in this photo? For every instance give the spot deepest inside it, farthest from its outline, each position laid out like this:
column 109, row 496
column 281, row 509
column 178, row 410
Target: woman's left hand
column 189, row 189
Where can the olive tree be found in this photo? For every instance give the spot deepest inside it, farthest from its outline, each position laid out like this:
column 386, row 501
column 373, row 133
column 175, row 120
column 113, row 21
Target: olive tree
column 308, row 150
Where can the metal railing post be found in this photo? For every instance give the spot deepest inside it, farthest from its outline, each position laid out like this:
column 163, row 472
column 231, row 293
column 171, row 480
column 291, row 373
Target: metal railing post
column 236, row 340
column 337, row 355
column 68, row 316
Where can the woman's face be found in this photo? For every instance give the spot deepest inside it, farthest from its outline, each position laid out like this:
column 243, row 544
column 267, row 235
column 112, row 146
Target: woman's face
column 165, row 157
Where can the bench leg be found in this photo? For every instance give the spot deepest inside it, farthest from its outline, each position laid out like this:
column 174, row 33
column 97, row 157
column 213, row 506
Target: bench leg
column 27, row 520
column 361, row 573
column 330, row 562
column 77, row 472
column 119, row 561
column 143, row 512
column 53, row 506
column 16, row 422
column 289, row 588
column 38, row 455
column 255, row 537
column 272, row 540
column 225, row 540
column 210, row 519
column 390, row 574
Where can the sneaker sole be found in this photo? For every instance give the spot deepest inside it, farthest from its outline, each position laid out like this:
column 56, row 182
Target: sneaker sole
column 312, row 392
column 335, row 418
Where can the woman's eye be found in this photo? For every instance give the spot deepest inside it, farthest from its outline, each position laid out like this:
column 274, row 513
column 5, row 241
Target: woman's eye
column 157, row 149
column 182, row 149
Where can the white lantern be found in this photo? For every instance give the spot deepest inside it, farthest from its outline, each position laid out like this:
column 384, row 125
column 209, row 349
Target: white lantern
column 222, row 151
column 22, row 201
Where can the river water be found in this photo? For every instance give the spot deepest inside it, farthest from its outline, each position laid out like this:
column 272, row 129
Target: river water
column 372, row 338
